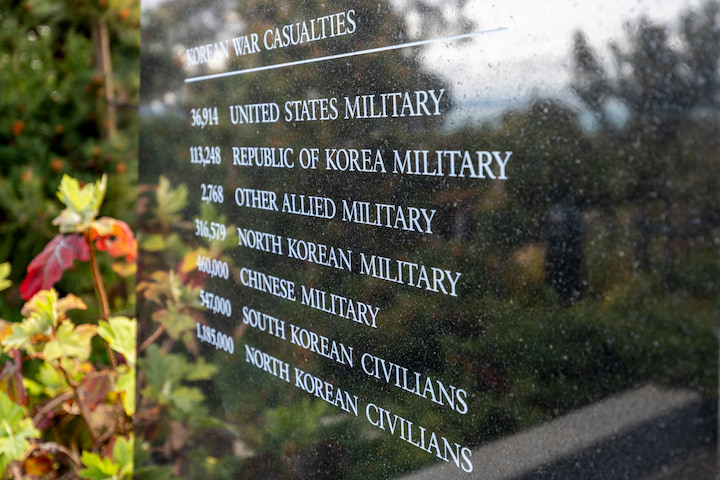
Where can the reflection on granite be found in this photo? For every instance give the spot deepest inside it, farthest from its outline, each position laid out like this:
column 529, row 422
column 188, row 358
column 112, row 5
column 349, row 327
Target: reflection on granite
column 407, row 233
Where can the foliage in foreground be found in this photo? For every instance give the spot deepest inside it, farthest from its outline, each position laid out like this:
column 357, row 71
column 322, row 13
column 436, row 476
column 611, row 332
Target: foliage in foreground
column 67, row 389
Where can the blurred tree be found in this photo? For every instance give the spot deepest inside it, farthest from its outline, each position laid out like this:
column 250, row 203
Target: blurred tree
column 70, row 86
column 662, row 93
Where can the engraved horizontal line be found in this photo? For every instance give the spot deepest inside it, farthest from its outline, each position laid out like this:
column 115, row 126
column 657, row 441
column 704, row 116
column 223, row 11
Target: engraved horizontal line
column 342, row 55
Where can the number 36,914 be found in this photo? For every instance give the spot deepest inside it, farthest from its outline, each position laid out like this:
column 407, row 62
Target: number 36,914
column 202, row 117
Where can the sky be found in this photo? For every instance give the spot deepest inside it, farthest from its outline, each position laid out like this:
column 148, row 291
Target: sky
column 534, row 54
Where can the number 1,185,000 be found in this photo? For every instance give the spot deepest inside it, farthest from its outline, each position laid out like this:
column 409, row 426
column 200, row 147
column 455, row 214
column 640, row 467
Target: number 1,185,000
column 217, row 339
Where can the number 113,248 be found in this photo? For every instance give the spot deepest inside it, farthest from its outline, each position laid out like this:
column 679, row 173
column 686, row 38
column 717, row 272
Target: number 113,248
column 203, row 155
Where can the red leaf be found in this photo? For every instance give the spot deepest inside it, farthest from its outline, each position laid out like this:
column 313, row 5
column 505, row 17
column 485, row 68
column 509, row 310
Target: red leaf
column 11, row 379
column 95, row 388
column 56, row 257
column 39, row 464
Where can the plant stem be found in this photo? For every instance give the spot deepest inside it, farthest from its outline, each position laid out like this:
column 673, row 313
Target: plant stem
column 83, row 408
column 156, row 334
column 97, row 280
column 102, row 294
column 103, row 64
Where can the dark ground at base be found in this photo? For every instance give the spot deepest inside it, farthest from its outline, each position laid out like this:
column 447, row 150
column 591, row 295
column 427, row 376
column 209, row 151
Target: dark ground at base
column 702, row 465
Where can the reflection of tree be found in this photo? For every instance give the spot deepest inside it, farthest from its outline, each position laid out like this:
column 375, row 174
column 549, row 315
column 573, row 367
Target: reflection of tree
column 668, row 89
column 659, row 79
column 628, row 202
column 653, row 135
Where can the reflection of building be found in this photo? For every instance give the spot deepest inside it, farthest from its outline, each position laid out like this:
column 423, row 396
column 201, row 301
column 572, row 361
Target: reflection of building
column 456, row 213
column 562, row 232
column 459, row 209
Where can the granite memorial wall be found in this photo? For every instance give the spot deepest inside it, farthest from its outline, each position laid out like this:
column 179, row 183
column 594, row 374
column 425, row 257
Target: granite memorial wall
column 380, row 237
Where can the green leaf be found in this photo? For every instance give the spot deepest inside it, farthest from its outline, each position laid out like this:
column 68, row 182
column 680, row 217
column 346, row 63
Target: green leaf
column 21, row 336
column 15, row 430
column 175, row 323
column 4, row 273
column 10, row 412
column 98, row 468
column 36, row 328
column 153, row 472
column 201, row 370
column 162, row 369
column 186, row 399
column 123, row 455
column 38, row 325
column 42, row 306
column 83, row 203
column 165, row 374
column 70, row 341
column 153, row 243
column 42, row 313
column 49, row 380
column 120, row 333
column 170, row 202
column 126, row 384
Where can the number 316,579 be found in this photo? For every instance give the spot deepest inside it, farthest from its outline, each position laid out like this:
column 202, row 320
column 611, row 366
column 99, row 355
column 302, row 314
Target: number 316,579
column 211, row 231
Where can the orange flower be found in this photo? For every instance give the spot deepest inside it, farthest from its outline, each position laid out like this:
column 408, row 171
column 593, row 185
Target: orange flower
column 17, row 127
column 56, row 165
column 115, row 237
